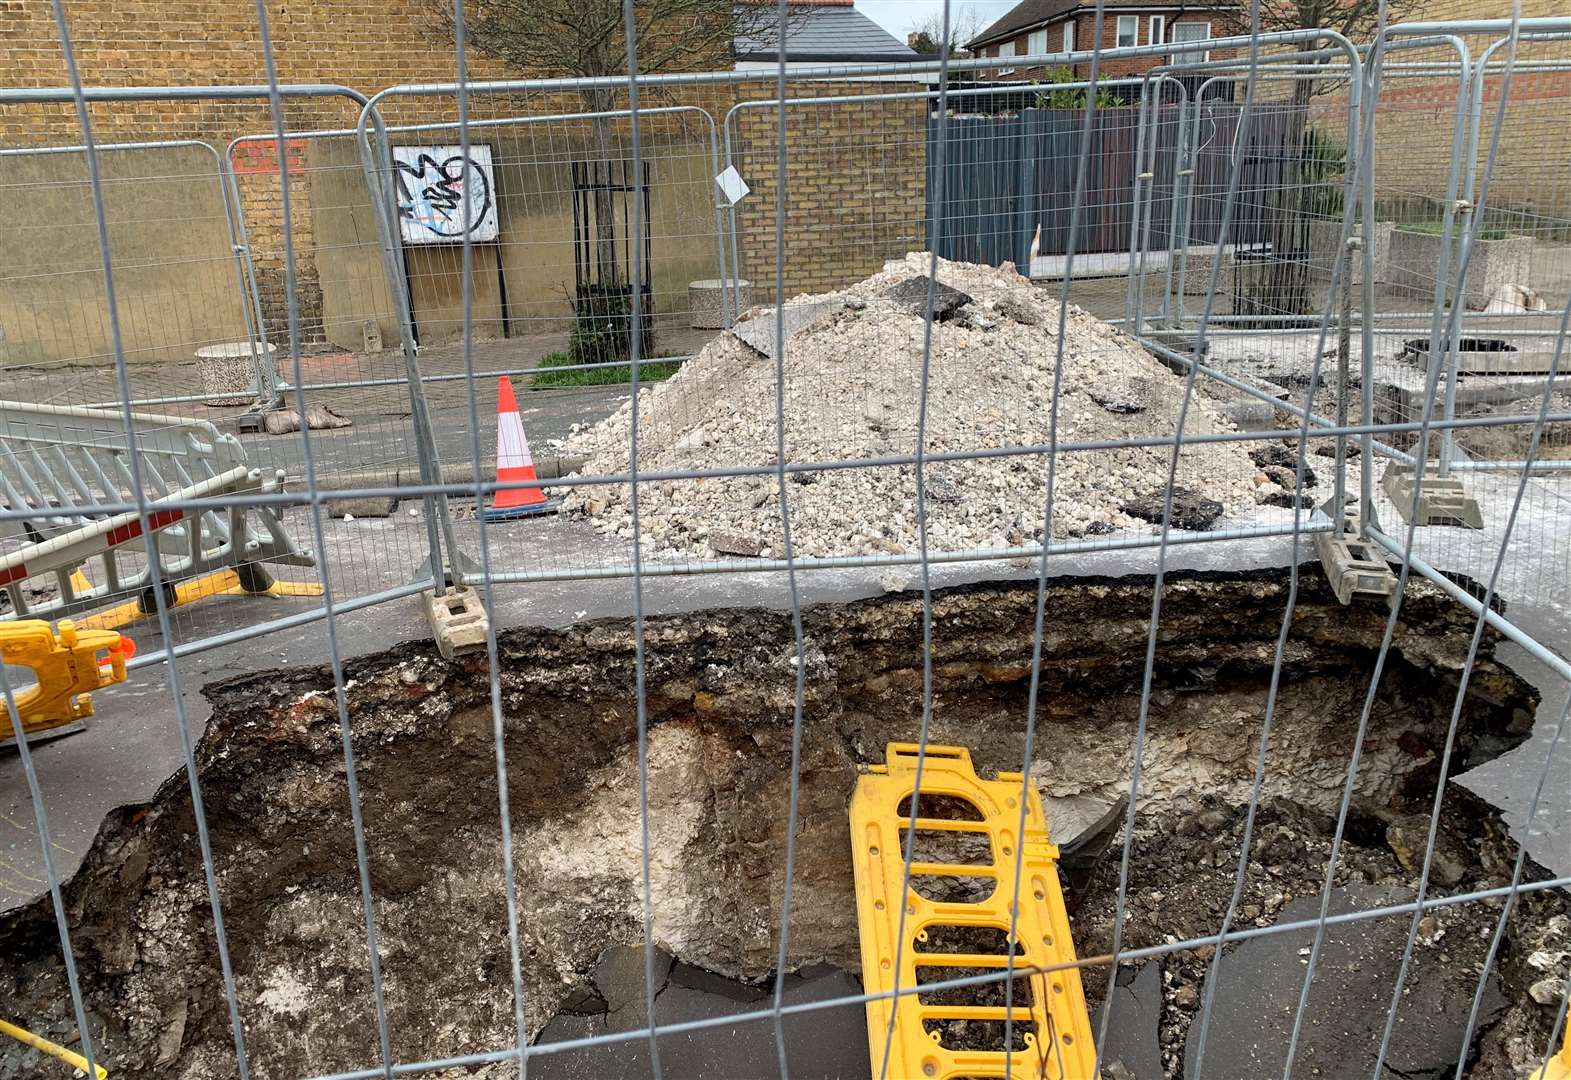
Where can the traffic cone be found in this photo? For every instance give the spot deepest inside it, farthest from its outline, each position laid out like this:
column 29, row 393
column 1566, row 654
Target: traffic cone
column 514, row 464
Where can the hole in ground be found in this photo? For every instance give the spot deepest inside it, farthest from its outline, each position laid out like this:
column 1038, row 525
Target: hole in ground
column 944, row 846
column 719, row 712
column 988, row 993
column 985, row 1035
column 946, row 938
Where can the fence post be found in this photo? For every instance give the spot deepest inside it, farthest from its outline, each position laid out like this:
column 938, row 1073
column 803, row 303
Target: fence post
column 385, row 210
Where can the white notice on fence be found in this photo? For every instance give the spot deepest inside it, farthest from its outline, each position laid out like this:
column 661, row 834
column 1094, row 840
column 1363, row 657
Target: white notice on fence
column 433, row 183
column 731, row 185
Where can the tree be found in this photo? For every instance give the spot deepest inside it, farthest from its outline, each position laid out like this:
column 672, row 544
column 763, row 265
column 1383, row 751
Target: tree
column 584, row 38
column 926, row 34
column 1355, row 20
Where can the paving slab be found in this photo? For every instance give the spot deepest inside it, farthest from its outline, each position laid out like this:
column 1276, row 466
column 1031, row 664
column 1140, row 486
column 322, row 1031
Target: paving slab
column 1135, row 1023
column 826, row 1044
column 758, row 332
column 1257, row 1000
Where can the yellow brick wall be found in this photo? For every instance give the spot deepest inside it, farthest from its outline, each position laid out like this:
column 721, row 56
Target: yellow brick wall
column 857, row 173
column 1532, row 178
column 366, row 45
column 856, row 185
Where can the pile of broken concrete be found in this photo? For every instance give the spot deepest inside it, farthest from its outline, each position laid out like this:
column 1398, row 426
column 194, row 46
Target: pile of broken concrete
column 853, row 369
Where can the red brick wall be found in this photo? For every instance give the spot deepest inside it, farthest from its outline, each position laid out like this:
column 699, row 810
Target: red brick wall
column 1085, row 33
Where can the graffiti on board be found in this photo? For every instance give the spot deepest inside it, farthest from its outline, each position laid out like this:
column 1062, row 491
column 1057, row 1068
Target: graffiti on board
column 433, row 185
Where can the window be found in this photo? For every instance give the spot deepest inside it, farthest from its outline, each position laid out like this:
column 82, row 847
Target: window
column 1006, row 49
column 1157, row 26
column 1069, row 37
column 1128, row 30
column 1191, row 31
column 1036, row 44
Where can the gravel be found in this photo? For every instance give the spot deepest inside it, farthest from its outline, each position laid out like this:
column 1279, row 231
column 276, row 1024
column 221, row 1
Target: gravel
column 852, row 376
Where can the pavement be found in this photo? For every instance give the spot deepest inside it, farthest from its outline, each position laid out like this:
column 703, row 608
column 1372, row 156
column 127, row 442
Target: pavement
column 1255, row 1005
column 380, row 443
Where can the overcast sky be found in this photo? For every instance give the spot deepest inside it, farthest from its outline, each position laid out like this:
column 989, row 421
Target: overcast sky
column 896, row 16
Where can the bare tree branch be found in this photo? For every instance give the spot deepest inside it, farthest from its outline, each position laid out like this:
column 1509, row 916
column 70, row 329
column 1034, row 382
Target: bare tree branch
column 965, row 23
column 584, row 37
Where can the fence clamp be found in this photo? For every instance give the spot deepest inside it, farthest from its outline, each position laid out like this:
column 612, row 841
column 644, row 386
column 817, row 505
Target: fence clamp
column 1462, row 206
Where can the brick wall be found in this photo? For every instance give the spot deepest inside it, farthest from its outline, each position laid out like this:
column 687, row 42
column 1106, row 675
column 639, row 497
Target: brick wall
column 1531, row 185
column 856, row 186
column 857, row 172
column 362, row 44
column 1085, row 32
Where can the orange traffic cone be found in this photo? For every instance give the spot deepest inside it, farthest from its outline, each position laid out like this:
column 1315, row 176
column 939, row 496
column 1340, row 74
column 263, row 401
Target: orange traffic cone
column 513, row 463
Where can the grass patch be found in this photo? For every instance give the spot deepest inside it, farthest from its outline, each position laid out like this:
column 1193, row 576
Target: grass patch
column 1434, row 228
column 648, row 371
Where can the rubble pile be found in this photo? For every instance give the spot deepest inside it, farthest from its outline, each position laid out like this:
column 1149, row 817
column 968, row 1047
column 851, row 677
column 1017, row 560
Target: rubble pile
column 853, row 371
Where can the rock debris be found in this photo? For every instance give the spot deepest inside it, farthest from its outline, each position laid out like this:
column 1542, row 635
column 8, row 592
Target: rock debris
column 852, row 386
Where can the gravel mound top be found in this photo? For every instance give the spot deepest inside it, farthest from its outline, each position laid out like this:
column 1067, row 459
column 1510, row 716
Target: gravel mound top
column 852, row 375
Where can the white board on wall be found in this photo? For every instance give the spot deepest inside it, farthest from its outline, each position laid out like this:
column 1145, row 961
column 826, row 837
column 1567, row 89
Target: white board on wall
column 432, row 183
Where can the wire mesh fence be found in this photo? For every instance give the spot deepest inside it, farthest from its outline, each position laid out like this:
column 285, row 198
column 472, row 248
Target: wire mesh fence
column 779, row 329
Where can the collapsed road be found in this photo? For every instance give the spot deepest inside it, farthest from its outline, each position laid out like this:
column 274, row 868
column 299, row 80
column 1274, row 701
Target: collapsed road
column 720, row 686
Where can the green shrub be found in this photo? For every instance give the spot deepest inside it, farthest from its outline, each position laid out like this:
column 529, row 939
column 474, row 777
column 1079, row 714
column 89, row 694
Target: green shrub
column 1323, row 169
column 648, row 371
column 602, row 321
column 1075, row 99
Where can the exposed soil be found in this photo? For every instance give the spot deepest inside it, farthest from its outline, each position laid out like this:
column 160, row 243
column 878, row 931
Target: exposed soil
column 719, row 715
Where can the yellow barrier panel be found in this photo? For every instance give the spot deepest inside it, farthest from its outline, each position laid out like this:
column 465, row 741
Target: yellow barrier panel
column 38, row 1042
column 68, row 665
column 1559, row 1066
column 946, row 939
column 218, row 583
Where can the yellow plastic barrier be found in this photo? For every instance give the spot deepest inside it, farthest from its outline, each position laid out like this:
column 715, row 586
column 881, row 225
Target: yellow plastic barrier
column 38, row 1042
column 1052, row 1017
column 1559, row 1066
column 218, row 583
column 69, row 664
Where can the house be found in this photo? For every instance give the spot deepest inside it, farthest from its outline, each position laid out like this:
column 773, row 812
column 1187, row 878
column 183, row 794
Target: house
column 822, row 32
column 1034, row 27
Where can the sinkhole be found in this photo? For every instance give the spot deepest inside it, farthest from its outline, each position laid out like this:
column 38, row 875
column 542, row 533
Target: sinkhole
column 720, row 686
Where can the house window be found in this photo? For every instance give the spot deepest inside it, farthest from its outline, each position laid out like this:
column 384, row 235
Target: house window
column 1157, row 26
column 1128, row 30
column 1191, row 31
column 1006, row 49
column 1069, row 37
column 1036, row 45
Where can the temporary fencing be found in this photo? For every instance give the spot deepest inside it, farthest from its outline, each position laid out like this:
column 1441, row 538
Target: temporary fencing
column 1231, row 217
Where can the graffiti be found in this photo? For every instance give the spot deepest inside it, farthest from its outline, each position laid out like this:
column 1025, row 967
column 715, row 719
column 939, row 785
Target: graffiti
column 434, row 183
